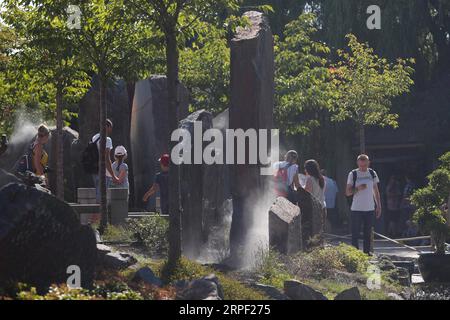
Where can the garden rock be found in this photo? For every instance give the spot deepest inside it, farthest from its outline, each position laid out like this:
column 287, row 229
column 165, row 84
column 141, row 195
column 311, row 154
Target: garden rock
column 299, row 291
column 117, row 260
column 349, row 294
column 148, row 276
column 6, row 178
column 206, row 288
column 40, row 237
column 272, row 292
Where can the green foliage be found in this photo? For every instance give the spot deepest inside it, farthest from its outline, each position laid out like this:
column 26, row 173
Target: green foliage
column 322, row 263
column 232, row 288
column 366, row 84
column 118, row 234
column 352, row 259
column 270, row 268
column 302, row 78
column 430, row 201
column 205, row 69
column 152, row 231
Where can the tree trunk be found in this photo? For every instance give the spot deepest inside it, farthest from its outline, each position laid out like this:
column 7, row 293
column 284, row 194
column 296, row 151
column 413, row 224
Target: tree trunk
column 448, row 211
column 131, row 85
column 59, row 145
column 362, row 139
column 172, row 56
column 102, row 164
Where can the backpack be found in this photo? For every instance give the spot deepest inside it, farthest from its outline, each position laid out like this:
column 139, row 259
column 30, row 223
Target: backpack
column 25, row 162
column 281, row 181
column 355, row 177
column 90, row 157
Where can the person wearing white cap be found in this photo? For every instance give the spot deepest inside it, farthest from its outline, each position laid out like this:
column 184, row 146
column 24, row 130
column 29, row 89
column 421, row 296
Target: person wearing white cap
column 120, row 168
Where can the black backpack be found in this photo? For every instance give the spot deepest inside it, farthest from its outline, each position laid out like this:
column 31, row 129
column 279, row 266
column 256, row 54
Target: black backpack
column 355, row 177
column 25, row 163
column 90, row 157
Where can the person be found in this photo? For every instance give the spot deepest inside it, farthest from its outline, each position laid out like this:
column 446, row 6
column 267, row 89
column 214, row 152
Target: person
column 287, row 177
column 362, row 184
column 393, row 198
column 406, row 207
column 315, row 182
column 120, row 168
column 110, row 176
column 315, row 185
column 39, row 155
column 3, row 144
column 331, row 190
column 162, row 184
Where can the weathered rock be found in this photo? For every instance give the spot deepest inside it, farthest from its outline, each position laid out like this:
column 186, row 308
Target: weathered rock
column 299, row 291
column 395, row 296
column 312, row 215
column 285, row 233
column 102, row 250
column 117, row 260
column 6, row 177
column 40, row 237
column 191, row 177
column 69, row 136
column 148, row 276
column 272, row 292
column 150, row 131
column 349, row 294
column 251, row 107
column 206, row 288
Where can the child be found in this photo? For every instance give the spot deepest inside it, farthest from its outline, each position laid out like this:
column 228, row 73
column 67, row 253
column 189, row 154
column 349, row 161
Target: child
column 162, row 184
column 120, row 168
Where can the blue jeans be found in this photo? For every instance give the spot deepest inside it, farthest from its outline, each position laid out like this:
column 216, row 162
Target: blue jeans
column 366, row 219
column 96, row 179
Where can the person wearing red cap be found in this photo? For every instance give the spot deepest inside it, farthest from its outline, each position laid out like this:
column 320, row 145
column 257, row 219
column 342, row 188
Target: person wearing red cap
column 162, row 184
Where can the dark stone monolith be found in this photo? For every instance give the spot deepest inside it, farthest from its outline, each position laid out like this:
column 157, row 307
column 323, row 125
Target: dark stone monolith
column 285, row 233
column 150, row 131
column 251, row 107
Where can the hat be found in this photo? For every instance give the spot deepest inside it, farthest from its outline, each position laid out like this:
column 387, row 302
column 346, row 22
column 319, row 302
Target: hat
column 120, row 151
column 165, row 160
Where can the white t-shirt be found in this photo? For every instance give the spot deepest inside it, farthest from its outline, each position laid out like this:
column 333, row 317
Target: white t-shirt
column 291, row 171
column 109, row 145
column 363, row 200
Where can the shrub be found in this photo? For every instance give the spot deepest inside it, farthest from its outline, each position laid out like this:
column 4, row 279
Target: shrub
column 352, row 259
column 430, row 202
column 270, row 268
column 152, row 232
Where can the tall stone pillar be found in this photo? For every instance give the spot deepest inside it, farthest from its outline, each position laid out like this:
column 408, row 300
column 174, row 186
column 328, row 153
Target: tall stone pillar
column 251, row 107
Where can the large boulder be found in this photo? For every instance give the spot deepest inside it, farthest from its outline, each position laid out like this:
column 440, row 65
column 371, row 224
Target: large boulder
column 40, row 237
column 6, row 178
column 150, row 131
column 251, row 107
column 285, row 229
column 206, row 288
column 298, row 291
column 192, row 187
column 69, row 136
column 349, row 294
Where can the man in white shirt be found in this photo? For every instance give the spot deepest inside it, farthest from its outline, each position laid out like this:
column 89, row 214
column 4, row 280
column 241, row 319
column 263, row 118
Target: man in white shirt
column 292, row 182
column 110, row 176
column 362, row 184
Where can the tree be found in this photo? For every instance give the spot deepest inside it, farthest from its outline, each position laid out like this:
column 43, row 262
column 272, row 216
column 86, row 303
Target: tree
column 104, row 32
column 302, row 78
column 177, row 19
column 47, row 52
column 366, row 84
column 430, row 202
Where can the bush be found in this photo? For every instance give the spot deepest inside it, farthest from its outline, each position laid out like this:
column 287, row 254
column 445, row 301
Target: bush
column 352, row 259
column 270, row 268
column 152, row 232
column 321, row 263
